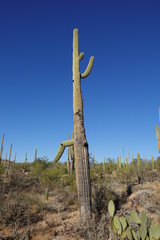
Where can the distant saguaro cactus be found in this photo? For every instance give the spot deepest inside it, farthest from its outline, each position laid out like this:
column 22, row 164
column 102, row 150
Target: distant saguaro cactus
column 104, row 165
column 153, row 166
column 123, row 159
column 15, row 157
column 25, row 160
column 139, row 170
column 80, row 142
column 9, row 159
column 118, row 164
column 119, row 161
column 157, row 133
column 1, row 148
column 129, row 161
column 5, row 163
column 132, row 160
column 35, row 155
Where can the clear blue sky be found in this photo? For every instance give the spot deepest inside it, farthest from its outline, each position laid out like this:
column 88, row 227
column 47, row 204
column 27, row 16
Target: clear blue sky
column 121, row 95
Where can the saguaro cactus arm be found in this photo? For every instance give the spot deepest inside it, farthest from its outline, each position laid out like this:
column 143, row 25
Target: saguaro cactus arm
column 81, row 56
column 61, row 149
column 89, row 68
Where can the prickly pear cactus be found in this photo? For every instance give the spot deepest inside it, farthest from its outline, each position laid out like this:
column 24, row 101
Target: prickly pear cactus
column 121, row 227
column 111, row 208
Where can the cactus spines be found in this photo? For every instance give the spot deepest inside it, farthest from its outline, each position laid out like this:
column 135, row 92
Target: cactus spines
column 9, row 159
column 1, row 148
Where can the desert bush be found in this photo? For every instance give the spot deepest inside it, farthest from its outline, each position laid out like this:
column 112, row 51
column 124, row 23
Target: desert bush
column 101, row 195
column 16, row 210
column 94, row 229
column 20, row 166
column 52, row 176
column 39, row 166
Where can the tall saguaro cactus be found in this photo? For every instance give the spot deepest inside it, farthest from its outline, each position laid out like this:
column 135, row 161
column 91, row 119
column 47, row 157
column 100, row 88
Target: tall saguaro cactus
column 81, row 155
column 80, row 141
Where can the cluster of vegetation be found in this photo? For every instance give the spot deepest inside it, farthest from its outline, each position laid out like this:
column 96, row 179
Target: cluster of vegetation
column 26, row 190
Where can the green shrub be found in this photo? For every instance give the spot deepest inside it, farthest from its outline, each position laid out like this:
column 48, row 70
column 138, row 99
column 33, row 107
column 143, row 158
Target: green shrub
column 39, row 166
column 54, row 173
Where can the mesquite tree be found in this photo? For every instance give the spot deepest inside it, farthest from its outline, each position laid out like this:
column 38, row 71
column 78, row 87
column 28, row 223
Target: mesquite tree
column 80, row 142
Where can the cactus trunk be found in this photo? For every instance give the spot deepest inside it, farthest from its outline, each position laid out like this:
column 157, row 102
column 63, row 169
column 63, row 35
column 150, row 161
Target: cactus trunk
column 80, row 141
